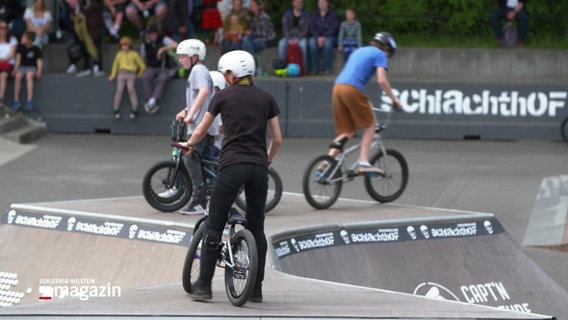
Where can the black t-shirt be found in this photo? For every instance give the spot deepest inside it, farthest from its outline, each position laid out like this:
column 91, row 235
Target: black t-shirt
column 245, row 110
column 29, row 56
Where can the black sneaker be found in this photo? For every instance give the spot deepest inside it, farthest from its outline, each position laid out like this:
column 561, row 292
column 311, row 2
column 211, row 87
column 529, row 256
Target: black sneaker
column 256, row 295
column 201, row 292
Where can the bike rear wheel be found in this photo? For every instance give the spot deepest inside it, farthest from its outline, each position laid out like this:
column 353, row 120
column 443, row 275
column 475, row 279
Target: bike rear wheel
column 320, row 189
column 166, row 188
column 273, row 196
column 192, row 260
column 392, row 185
column 564, row 129
column 241, row 278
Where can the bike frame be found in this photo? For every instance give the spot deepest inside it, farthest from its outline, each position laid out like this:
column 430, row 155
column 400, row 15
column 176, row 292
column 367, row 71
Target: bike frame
column 377, row 143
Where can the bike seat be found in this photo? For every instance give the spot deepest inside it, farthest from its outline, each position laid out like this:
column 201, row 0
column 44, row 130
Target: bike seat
column 236, row 218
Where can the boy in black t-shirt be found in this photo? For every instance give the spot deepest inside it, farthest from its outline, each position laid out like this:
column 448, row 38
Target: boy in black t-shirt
column 29, row 62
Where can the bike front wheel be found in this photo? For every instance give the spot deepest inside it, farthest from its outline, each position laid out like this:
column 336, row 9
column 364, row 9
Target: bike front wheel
column 273, row 195
column 192, row 262
column 564, row 129
column 322, row 182
column 391, row 186
column 240, row 278
column 167, row 188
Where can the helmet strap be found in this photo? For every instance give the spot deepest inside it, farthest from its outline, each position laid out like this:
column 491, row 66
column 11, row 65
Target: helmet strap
column 244, row 81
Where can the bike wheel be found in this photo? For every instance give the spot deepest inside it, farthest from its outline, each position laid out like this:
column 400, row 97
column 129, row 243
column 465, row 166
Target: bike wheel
column 564, row 129
column 320, row 189
column 241, row 278
column 273, row 196
column 392, row 185
column 158, row 179
column 192, row 260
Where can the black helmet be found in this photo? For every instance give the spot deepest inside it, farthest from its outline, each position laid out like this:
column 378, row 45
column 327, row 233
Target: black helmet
column 386, row 39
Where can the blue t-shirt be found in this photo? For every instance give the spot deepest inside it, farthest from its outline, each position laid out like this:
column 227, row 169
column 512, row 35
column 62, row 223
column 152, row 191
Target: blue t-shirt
column 362, row 66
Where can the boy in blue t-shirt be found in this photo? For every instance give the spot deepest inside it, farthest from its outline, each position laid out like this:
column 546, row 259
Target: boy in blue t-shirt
column 351, row 107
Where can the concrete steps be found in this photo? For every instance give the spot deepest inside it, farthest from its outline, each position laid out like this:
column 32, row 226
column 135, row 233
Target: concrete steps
column 17, row 127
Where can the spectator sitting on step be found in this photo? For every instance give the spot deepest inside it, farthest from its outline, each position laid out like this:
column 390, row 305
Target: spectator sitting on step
column 295, row 28
column 511, row 9
column 261, row 33
column 113, row 15
column 233, row 34
column 38, row 20
column 8, row 45
column 86, row 37
column 147, row 8
column 154, row 51
column 29, row 63
column 178, row 21
column 324, row 25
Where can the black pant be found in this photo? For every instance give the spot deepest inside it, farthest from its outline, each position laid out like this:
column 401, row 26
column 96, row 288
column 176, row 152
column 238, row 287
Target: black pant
column 227, row 184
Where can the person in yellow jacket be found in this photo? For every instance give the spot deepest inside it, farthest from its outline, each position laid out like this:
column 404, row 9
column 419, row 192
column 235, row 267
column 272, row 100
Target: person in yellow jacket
column 127, row 65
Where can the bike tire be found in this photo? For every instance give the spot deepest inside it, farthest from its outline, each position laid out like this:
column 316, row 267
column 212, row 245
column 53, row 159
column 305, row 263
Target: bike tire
column 156, row 181
column 273, row 196
column 321, row 191
column 564, row 130
column 241, row 280
column 192, row 262
column 390, row 187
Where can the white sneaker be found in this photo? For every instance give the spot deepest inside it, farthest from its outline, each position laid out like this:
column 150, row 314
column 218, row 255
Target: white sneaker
column 168, row 193
column 196, row 210
column 84, row 73
column 72, row 69
column 97, row 72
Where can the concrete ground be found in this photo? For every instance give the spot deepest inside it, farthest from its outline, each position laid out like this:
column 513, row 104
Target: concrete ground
column 502, row 178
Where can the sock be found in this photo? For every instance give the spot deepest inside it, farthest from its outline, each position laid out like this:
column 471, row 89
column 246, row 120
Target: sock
column 364, row 163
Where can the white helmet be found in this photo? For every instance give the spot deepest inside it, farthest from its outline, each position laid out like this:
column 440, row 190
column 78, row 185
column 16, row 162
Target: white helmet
column 191, row 47
column 218, row 79
column 239, row 62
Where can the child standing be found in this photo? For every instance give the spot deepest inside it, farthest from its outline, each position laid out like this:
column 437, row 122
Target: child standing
column 29, row 62
column 349, row 37
column 126, row 67
column 198, row 93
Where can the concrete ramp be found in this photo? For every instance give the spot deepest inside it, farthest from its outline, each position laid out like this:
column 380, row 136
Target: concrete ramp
column 50, row 256
column 473, row 261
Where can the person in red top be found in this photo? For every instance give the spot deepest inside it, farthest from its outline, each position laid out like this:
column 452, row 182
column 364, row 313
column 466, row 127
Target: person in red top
column 211, row 21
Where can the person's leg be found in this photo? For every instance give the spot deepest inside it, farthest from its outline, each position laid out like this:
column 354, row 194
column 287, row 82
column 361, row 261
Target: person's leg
column 131, row 13
column 17, row 86
column 161, row 10
column 131, row 87
column 328, row 45
column 3, row 84
column 496, row 17
column 193, row 165
column 304, row 46
column 163, row 75
column 255, row 191
column 120, row 84
column 282, row 46
column 30, row 85
column 523, row 21
column 344, row 123
column 227, row 184
column 314, row 55
column 246, row 44
column 148, row 82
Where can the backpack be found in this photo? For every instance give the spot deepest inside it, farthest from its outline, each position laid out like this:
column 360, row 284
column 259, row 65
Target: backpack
column 294, row 55
column 510, row 37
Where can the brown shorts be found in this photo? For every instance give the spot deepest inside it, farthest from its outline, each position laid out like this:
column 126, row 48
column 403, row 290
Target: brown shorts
column 351, row 109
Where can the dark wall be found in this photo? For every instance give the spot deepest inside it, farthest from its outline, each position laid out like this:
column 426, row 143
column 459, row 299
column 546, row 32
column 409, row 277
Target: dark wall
column 432, row 110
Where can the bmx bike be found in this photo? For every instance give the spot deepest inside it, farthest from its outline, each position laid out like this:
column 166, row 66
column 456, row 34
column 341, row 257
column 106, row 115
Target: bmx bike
column 238, row 255
column 167, row 186
column 324, row 176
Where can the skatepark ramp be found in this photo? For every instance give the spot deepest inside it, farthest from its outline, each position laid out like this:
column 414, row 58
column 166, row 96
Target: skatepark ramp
column 467, row 260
